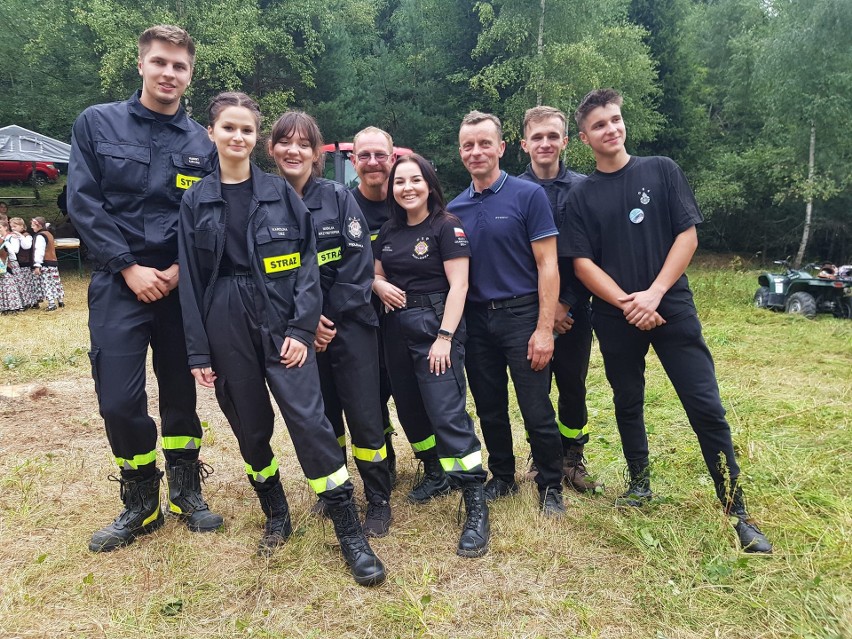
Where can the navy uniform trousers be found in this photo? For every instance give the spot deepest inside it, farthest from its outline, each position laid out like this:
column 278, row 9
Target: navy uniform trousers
column 349, row 378
column 570, row 366
column 121, row 329
column 431, row 408
column 245, row 360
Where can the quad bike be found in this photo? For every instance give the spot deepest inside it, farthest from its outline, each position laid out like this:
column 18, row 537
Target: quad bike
column 797, row 291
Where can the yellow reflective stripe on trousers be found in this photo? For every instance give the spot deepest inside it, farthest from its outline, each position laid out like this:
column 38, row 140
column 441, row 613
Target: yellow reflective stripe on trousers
column 342, row 441
column 425, row 445
column 370, row 454
column 181, row 443
column 331, row 255
column 462, row 464
column 136, row 461
column 262, row 475
column 572, row 433
column 329, row 482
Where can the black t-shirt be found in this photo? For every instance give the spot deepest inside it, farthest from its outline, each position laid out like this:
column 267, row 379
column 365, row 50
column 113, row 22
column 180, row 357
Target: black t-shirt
column 376, row 213
column 238, row 200
column 413, row 256
column 626, row 223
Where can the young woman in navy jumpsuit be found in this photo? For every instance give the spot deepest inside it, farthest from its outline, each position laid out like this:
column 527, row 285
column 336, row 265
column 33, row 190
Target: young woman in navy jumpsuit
column 422, row 259
column 252, row 301
column 346, row 341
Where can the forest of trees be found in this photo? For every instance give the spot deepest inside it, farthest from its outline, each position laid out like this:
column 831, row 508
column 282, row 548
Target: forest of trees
column 751, row 97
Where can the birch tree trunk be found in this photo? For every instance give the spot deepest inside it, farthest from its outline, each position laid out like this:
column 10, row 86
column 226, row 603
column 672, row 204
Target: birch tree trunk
column 809, row 206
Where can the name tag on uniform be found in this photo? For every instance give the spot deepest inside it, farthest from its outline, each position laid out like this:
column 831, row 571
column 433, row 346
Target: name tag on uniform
column 185, row 181
column 331, row 255
column 279, row 263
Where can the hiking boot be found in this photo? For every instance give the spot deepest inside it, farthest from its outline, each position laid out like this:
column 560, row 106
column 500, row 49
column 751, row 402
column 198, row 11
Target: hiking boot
column 391, row 457
column 367, row 569
column 476, row 530
column 638, row 491
column 496, row 488
column 377, row 521
column 278, row 526
column 751, row 538
column 319, row 509
column 574, row 470
column 185, row 477
column 551, row 502
column 433, row 483
column 141, row 513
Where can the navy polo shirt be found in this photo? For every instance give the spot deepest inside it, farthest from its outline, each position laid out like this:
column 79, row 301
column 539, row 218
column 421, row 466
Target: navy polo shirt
column 501, row 223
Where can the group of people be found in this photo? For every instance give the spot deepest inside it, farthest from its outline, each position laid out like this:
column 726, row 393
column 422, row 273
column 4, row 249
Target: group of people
column 29, row 270
column 335, row 299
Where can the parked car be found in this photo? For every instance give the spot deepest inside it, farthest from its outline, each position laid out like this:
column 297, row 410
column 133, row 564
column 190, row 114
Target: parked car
column 14, row 171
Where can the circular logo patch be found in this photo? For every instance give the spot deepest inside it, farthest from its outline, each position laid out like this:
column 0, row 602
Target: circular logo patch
column 637, row 215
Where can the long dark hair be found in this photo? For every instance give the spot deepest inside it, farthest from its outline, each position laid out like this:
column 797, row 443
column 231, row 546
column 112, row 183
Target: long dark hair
column 436, row 204
column 232, row 98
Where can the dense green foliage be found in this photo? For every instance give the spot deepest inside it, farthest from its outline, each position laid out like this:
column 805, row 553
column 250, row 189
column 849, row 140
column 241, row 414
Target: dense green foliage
column 732, row 89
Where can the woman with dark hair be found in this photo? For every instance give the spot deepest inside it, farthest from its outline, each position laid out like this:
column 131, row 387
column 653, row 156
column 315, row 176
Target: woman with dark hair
column 251, row 302
column 346, row 339
column 422, row 259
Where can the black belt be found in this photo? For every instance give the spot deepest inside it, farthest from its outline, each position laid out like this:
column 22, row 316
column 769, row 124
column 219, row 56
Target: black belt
column 425, row 301
column 231, row 271
column 524, row 300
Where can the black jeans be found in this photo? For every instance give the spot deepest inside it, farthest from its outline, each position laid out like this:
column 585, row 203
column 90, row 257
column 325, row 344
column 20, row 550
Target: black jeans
column 688, row 364
column 497, row 340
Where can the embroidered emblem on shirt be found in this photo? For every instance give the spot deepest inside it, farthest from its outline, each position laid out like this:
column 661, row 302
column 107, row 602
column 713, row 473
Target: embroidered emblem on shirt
column 353, row 228
column 461, row 238
column 421, row 249
column 644, row 197
column 637, row 215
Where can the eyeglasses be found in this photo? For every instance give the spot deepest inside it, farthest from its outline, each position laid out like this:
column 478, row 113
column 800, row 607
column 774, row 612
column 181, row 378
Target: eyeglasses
column 365, row 156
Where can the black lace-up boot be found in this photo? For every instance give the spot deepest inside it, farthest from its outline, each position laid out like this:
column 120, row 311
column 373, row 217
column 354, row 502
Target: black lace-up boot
column 141, row 513
column 638, row 491
column 433, row 483
column 278, row 527
column 367, row 569
column 185, row 477
column 476, row 531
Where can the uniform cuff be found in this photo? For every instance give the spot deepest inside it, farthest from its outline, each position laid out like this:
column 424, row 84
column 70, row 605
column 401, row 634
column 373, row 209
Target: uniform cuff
column 306, row 337
column 118, row 264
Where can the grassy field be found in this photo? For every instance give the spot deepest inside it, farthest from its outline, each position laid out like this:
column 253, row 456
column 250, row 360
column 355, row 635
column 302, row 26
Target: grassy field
column 671, row 571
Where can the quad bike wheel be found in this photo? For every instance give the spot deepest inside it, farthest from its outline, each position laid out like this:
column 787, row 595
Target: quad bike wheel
column 761, row 297
column 844, row 309
column 801, row 303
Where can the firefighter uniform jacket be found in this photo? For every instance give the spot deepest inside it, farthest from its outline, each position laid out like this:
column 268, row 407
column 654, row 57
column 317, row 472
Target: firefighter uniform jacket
column 126, row 176
column 343, row 251
column 282, row 253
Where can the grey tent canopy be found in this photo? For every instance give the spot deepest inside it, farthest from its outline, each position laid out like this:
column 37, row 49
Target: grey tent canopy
column 18, row 143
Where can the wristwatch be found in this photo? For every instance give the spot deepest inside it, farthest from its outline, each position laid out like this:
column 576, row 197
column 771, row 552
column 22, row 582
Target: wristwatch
column 444, row 334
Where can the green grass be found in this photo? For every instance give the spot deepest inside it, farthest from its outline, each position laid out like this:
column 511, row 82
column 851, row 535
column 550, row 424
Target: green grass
column 670, row 571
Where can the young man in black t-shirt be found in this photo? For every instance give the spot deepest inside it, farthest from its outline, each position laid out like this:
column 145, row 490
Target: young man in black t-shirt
column 633, row 234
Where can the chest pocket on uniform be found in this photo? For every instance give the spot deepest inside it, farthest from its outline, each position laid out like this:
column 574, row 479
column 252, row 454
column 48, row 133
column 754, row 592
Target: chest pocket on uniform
column 205, row 247
column 188, row 169
column 329, row 245
column 278, row 250
column 125, row 167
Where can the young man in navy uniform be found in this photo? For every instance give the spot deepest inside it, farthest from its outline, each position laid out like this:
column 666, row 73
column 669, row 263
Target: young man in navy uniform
column 544, row 140
column 511, row 303
column 632, row 236
column 130, row 164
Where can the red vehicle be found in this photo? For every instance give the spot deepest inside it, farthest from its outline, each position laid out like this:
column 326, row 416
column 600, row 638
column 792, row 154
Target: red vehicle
column 14, row 171
column 338, row 166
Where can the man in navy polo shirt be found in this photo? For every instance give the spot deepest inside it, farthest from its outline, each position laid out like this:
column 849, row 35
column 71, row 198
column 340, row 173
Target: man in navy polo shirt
column 511, row 303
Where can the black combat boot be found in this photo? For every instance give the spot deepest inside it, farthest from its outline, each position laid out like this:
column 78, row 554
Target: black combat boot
column 185, row 477
column 638, row 491
column 751, row 538
column 141, row 513
column 278, row 527
column 434, row 482
column 477, row 529
column 367, row 569
column 574, row 470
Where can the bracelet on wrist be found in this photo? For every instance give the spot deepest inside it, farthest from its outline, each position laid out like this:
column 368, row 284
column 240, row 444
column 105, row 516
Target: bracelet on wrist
column 445, row 334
